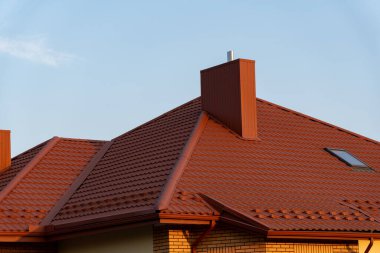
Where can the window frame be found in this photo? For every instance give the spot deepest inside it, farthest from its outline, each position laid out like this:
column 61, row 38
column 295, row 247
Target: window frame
column 331, row 151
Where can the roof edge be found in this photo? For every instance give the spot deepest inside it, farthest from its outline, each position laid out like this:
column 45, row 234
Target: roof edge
column 76, row 184
column 18, row 237
column 156, row 118
column 30, row 149
column 171, row 183
column 243, row 216
column 330, row 235
column 244, row 225
column 81, row 139
column 120, row 220
column 35, row 160
column 169, row 218
column 320, row 121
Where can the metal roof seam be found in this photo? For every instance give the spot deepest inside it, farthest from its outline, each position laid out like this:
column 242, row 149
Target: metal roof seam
column 76, row 184
column 233, row 211
column 29, row 150
column 51, row 143
column 320, row 121
column 171, row 183
column 157, row 118
column 359, row 210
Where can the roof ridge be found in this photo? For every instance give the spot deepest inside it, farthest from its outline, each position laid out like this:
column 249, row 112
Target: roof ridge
column 30, row 149
column 32, row 163
column 80, row 139
column 320, row 121
column 177, row 170
column 62, row 138
column 158, row 117
column 76, row 184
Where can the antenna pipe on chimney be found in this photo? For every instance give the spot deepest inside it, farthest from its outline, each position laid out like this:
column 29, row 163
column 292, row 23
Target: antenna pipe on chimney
column 230, row 55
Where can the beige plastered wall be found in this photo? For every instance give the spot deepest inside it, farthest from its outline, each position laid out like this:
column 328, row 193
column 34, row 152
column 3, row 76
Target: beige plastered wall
column 364, row 243
column 136, row 240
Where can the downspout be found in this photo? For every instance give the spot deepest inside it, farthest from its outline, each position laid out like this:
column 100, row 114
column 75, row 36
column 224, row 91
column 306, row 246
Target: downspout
column 369, row 245
column 203, row 235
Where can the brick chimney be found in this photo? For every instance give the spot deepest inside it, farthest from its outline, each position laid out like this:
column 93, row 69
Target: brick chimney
column 228, row 93
column 5, row 149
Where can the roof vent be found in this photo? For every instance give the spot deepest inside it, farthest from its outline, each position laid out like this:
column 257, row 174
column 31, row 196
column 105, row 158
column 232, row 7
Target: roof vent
column 230, row 55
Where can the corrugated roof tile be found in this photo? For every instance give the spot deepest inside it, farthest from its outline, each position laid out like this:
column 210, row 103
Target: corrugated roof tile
column 135, row 168
column 286, row 180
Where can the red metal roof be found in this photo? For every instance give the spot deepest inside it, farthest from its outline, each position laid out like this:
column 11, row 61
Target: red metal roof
column 186, row 163
column 134, row 170
column 38, row 178
column 18, row 163
column 285, row 180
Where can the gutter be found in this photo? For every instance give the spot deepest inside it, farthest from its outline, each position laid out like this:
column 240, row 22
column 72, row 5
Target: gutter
column 273, row 234
column 202, row 236
column 82, row 227
column 103, row 224
column 369, row 247
column 187, row 219
column 21, row 237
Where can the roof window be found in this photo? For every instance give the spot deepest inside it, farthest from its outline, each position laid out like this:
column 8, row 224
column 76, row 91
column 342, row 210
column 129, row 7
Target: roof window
column 347, row 158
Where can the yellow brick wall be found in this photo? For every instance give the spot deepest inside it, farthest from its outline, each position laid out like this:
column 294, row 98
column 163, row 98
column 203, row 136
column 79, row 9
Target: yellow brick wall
column 224, row 239
column 311, row 246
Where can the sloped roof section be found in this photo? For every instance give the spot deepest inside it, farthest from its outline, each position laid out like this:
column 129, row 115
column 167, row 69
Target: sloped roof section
column 40, row 177
column 285, row 180
column 18, row 163
column 132, row 173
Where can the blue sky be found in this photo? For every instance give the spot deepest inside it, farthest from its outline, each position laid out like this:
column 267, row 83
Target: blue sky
column 95, row 69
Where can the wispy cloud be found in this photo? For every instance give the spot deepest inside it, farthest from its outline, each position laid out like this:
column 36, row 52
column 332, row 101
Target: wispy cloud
column 34, row 50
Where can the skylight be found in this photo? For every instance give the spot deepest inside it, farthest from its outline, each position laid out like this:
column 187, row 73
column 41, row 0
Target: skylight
column 347, row 158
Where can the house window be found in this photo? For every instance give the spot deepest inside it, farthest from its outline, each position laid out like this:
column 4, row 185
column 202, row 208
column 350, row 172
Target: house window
column 347, row 158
